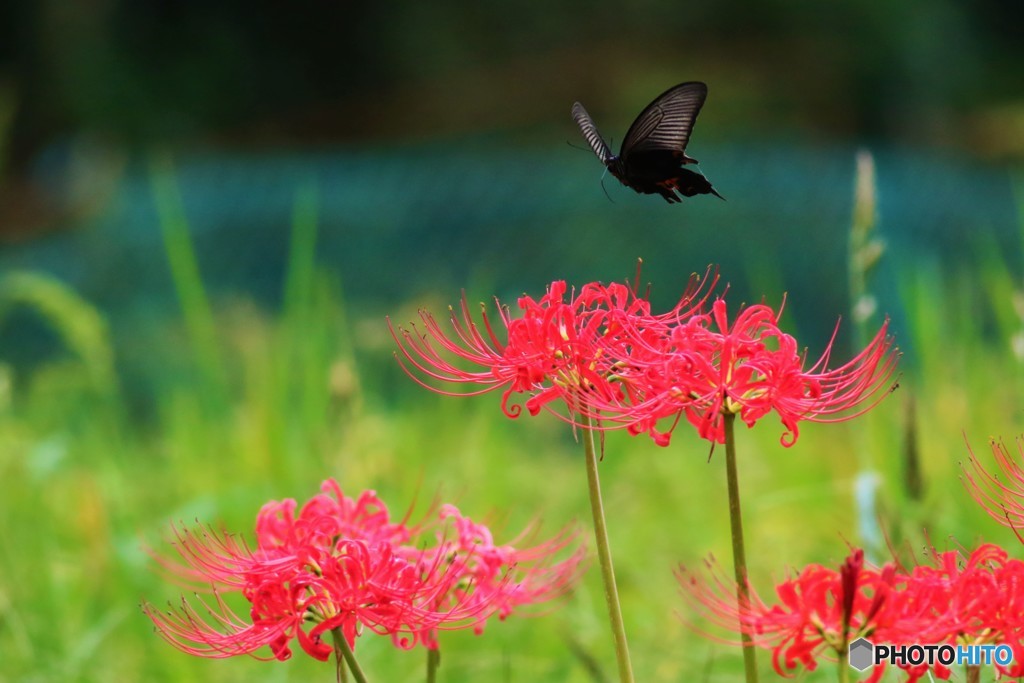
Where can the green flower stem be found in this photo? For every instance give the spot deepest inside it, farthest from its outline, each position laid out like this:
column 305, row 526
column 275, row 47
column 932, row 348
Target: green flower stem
column 604, row 556
column 844, row 666
column 433, row 664
column 739, row 554
column 342, row 650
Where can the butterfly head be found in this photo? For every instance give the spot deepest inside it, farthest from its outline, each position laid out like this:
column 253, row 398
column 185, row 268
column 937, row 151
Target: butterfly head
column 616, row 167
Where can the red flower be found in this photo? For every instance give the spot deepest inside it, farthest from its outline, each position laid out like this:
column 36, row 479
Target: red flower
column 561, row 348
column 972, row 600
column 954, row 600
column 604, row 355
column 326, row 516
column 341, row 563
column 819, row 610
column 301, row 585
column 705, row 367
column 498, row 579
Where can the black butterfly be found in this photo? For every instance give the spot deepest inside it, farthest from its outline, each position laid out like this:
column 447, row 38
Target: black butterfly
column 653, row 152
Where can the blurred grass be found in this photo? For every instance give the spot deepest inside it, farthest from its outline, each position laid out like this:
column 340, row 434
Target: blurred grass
column 265, row 405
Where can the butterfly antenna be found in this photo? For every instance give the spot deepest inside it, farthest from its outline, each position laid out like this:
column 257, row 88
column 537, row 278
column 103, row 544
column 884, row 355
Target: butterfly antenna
column 604, row 188
column 584, row 149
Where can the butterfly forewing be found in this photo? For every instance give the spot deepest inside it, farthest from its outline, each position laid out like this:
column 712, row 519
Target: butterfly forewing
column 666, row 122
column 586, row 125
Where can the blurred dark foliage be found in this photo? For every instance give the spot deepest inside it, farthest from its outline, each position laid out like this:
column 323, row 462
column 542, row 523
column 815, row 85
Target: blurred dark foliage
column 86, row 85
column 178, row 70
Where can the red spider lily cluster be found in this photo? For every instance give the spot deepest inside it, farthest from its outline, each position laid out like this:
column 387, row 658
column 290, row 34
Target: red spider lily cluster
column 342, row 563
column 954, row 599
column 602, row 355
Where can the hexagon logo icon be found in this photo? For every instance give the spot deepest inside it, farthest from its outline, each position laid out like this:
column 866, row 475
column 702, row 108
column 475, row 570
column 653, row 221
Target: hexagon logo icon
column 861, row 654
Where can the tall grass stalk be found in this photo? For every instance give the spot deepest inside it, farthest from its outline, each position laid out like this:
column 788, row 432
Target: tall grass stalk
column 80, row 326
column 865, row 252
column 192, row 296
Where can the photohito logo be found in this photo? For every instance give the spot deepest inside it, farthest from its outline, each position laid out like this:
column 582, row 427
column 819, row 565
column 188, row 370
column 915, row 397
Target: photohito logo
column 863, row 654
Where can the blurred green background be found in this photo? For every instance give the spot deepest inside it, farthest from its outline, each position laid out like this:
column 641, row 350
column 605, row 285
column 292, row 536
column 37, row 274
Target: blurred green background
column 207, row 209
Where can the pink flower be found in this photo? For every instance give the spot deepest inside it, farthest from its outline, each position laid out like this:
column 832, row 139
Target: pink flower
column 706, row 366
column 343, row 564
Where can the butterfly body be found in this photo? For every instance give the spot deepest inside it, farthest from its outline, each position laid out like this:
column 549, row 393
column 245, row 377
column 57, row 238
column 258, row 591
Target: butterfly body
column 653, row 152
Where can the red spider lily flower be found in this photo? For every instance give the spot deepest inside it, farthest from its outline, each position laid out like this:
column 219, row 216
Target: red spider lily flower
column 355, row 585
column 972, row 600
column 559, row 349
column 304, row 592
column 343, row 564
column 499, row 579
column 820, row 610
column 955, row 599
column 329, row 515
column 706, row 367
column 999, row 492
